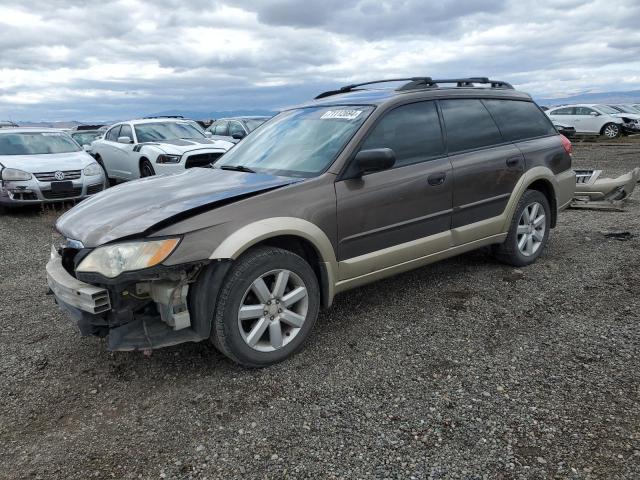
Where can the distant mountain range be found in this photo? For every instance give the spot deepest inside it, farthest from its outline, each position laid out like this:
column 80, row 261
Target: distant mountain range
column 599, row 97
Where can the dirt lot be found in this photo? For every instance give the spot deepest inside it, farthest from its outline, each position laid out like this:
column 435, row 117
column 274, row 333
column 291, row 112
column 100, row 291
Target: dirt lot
column 464, row 369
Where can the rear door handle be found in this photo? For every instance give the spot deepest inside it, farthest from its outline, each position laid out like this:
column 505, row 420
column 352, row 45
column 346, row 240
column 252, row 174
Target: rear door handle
column 513, row 161
column 436, row 179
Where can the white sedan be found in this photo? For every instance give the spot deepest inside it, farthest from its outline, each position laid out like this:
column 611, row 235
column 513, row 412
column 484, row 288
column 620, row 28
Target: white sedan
column 45, row 165
column 150, row 146
column 588, row 119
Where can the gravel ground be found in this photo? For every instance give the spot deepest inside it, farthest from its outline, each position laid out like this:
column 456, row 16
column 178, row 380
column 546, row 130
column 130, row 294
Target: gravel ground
column 464, row 369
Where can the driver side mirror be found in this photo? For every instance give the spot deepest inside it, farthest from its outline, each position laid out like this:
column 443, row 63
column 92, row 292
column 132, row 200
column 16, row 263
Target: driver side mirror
column 374, row 160
column 238, row 135
column 594, row 114
column 86, row 147
column 125, row 140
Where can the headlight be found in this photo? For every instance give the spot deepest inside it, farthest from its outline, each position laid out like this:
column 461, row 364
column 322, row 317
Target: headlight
column 112, row 260
column 93, row 170
column 168, row 158
column 15, row 175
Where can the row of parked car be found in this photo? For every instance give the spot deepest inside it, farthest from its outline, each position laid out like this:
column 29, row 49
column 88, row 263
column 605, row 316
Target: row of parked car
column 610, row 121
column 44, row 165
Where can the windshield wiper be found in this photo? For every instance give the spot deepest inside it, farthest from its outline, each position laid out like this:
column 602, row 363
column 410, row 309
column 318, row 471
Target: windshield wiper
column 237, row 168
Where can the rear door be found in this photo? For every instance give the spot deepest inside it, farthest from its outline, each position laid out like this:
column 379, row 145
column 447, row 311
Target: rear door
column 411, row 201
column 564, row 116
column 109, row 153
column 486, row 168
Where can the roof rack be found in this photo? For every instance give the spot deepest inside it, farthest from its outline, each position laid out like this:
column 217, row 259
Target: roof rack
column 416, row 83
column 162, row 116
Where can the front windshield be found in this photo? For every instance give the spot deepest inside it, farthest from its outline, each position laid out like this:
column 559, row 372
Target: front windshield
column 85, row 138
column 253, row 123
column 301, row 142
column 152, row 132
column 36, row 143
column 606, row 109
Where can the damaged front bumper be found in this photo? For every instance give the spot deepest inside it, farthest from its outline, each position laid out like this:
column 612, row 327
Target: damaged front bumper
column 592, row 191
column 147, row 310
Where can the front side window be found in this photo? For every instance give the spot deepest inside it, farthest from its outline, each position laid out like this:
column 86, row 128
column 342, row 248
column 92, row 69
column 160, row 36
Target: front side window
column 469, row 125
column 126, row 131
column 411, row 131
column 519, row 120
column 112, row 135
column 235, row 128
column 36, row 143
column 301, row 142
column 157, row 131
column 220, row 128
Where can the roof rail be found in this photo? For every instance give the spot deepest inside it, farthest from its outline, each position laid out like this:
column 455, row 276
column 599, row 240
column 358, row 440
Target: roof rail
column 416, row 83
column 162, row 116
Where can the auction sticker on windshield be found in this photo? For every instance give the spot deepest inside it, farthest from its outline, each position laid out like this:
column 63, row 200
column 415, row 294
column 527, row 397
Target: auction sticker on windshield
column 342, row 114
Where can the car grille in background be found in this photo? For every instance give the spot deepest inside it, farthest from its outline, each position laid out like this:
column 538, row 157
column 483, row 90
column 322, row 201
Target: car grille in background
column 49, row 195
column 583, row 176
column 202, row 159
column 50, row 176
column 93, row 189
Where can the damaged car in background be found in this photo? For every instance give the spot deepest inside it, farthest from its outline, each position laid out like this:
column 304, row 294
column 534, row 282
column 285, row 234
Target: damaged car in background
column 155, row 145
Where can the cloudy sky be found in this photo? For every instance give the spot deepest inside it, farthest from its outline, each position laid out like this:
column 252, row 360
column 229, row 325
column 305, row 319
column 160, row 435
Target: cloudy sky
column 113, row 59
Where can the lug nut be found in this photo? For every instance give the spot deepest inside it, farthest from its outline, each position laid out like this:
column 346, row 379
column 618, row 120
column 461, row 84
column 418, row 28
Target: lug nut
column 279, row 310
column 265, row 313
column 272, row 317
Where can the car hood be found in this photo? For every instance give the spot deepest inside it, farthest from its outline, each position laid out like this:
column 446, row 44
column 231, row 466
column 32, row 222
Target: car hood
column 49, row 162
column 180, row 146
column 632, row 116
column 133, row 208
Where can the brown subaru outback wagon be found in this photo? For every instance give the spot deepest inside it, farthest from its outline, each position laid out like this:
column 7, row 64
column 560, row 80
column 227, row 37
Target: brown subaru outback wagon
column 354, row 186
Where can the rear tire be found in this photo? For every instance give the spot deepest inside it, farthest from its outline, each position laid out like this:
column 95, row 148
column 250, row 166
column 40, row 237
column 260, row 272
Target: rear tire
column 146, row 169
column 529, row 231
column 611, row 130
column 266, row 308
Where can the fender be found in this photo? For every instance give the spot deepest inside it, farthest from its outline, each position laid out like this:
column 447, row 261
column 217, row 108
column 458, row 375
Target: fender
column 244, row 238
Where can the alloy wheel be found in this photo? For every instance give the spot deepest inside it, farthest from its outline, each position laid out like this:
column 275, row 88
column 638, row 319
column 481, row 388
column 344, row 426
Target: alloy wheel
column 611, row 131
column 531, row 229
column 273, row 310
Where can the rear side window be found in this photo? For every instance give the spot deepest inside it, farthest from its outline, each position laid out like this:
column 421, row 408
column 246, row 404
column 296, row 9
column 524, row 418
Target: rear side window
column 519, row 120
column 469, row 125
column 411, row 131
column 562, row 111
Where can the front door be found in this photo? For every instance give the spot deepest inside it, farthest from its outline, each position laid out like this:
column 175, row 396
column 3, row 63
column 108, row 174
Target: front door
column 387, row 215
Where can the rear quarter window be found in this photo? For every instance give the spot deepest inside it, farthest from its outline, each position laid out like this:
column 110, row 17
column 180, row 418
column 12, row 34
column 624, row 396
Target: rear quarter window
column 519, row 120
column 469, row 125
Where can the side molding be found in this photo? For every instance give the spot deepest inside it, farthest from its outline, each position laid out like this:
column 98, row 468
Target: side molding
column 244, row 238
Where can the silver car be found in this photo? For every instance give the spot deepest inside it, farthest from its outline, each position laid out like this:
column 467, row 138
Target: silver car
column 45, row 165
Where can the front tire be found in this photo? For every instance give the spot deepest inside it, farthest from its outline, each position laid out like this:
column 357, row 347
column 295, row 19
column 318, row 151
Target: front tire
column 611, row 130
column 266, row 308
column 529, row 231
column 146, row 169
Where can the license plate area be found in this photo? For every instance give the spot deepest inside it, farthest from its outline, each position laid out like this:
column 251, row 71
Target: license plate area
column 62, row 187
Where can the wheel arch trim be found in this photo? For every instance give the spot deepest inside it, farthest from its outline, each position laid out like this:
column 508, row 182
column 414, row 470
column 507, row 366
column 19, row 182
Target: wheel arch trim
column 244, row 238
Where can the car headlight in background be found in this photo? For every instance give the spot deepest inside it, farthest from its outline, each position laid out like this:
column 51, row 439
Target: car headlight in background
column 168, row 158
column 93, row 170
column 13, row 174
column 112, row 260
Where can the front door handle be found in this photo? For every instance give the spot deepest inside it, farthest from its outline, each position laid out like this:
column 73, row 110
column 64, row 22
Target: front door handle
column 437, row 179
column 513, row 162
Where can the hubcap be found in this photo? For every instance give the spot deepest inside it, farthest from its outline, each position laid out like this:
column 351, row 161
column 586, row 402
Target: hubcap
column 531, row 228
column 273, row 310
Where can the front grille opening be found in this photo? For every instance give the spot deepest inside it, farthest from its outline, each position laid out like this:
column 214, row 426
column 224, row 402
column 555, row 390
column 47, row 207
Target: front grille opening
column 51, row 176
column 202, row 159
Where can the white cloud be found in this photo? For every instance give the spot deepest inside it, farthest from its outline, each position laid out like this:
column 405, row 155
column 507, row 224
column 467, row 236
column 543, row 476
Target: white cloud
column 120, row 58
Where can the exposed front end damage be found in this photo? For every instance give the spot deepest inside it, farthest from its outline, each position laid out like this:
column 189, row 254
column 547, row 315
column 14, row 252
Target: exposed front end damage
column 156, row 308
column 595, row 192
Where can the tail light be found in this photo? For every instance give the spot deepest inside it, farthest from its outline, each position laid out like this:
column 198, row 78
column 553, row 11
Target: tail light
column 566, row 144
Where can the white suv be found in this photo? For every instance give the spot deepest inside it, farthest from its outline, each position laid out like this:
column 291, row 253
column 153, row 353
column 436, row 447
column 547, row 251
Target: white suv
column 589, row 119
column 141, row 148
